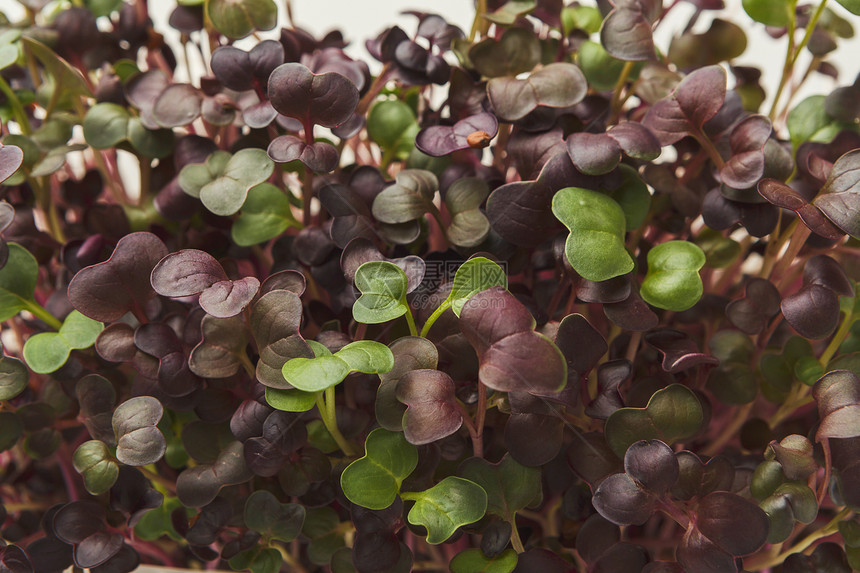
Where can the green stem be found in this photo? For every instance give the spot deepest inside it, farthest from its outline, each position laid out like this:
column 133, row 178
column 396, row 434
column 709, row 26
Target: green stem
column 17, row 108
column 39, row 312
column 829, row 529
column 325, row 405
column 516, row 541
column 617, row 102
column 787, row 67
column 476, row 23
column 810, row 28
column 410, row 320
column 837, row 340
column 434, row 317
column 708, row 146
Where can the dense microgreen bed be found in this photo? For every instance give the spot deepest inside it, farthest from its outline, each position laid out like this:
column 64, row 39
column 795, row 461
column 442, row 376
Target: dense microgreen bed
column 537, row 296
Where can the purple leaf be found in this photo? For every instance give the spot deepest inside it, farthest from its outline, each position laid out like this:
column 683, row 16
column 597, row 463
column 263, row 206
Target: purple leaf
column 11, row 158
column 626, row 32
column 511, row 354
column 781, row 195
column 652, row 464
column 734, row 524
column 632, row 313
column 228, row 298
column 679, row 351
column 582, row 345
column 813, row 311
column 432, row 412
column 825, row 271
column 186, row 272
column 695, row 100
column 97, row 548
column 746, row 165
column 534, row 433
column 472, row 132
column 108, row 290
column 839, row 199
column 635, row 140
column 556, row 85
column 610, row 375
column 593, row 153
column 219, row 353
column 177, row 105
column 838, row 397
column 759, row 304
column 620, row 500
column 325, row 99
column 720, row 213
column 319, row 156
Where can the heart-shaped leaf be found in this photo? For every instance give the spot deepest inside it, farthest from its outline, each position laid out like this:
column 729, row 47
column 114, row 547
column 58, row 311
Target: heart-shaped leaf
column 139, row 441
column 189, row 272
column 446, row 506
column 17, row 282
column 391, row 124
column 93, row 461
column 222, row 350
column 275, row 321
column 556, row 85
column 383, row 287
column 266, row 214
column 512, row 356
column 509, row 485
column 595, row 246
column 410, row 353
column 673, row 413
column 408, row 199
column 14, row 377
column 759, row 304
column 432, row 412
column 472, row 132
column 781, row 195
column 237, row 19
column 325, row 99
column 469, row 226
column 474, row 561
column 223, row 181
column 746, row 165
column 839, row 198
column 325, row 371
column 373, row 481
column 48, row 351
column 673, row 280
column 596, row 154
column 318, row 156
column 516, row 52
column 626, row 32
column 11, row 158
column 694, row 101
column 838, row 397
column 622, row 501
column 275, row 520
column 199, row 485
column 108, row 290
column 475, row 275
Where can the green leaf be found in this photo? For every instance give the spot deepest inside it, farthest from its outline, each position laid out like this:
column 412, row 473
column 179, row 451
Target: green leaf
column 474, row 561
column 391, row 124
column 719, row 251
column 65, row 77
column 632, row 196
column 8, row 55
column 258, row 559
column 94, row 462
column 475, row 275
column 510, row 11
column 273, row 519
column 852, row 6
column 373, row 481
column 102, row 7
column 673, row 413
column 17, row 281
column 510, row 486
column 408, row 199
column 673, row 280
column 48, row 351
column 808, row 121
column 383, row 292
column 105, row 125
column 446, row 506
column 469, row 226
column 14, row 377
column 154, row 144
column 776, row 13
column 322, row 528
column 10, row 430
column 290, row 400
column 223, row 181
column 595, row 246
column 265, row 214
column 239, row 18
column 157, row 522
column 586, row 18
column 600, row 69
column 321, row 372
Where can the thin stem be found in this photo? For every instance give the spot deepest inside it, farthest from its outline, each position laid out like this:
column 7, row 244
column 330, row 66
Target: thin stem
column 798, row 239
column 708, row 146
column 829, row 529
column 822, row 488
column 39, row 312
column 837, row 340
column 810, row 28
column 294, row 564
column 434, row 317
column 516, row 541
column 158, row 479
column 376, row 87
column 674, row 512
column 480, row 417
column 247, row 365
column 787, row 67
column 617, row 102
column 729, row 431
column 17, row 108
column 325, row 405
column 410, row 320
column 477, row 22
